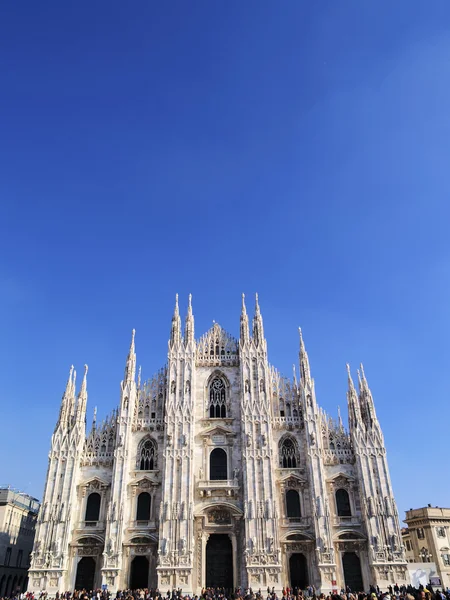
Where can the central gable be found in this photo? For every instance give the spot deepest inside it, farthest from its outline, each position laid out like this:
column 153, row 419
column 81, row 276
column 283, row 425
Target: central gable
column 217, row 348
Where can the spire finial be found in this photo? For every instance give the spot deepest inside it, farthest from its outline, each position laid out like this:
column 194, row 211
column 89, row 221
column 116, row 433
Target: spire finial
column 176, row 304
column 139, row 377
column 256, row 303
column 244, row 309
column 189, row 324
column 244, row 330
column 294, row 374
column 94, row 418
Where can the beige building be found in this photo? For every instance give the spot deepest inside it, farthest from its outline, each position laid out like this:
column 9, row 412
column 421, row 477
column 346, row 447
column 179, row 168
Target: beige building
column 217, row 471
column 427, row 539
column 18, row 514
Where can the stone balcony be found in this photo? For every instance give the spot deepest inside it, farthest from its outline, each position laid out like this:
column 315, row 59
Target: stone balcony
column 346, row 521
column 207, row 488
column 297, row 522
column 287, row 422
column 137, row 526
column 92, row 526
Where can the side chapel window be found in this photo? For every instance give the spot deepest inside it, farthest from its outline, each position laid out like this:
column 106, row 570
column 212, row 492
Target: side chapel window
column 217, row 403
column 147, row 456
column 288, row 454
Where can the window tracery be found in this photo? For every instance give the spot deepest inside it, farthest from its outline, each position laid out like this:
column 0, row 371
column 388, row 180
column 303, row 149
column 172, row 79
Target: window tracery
column 147, row 455
column 288, row 453
column 217, row 399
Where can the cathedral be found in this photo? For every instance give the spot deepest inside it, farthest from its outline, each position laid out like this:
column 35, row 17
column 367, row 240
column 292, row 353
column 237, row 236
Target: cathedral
column 217, row 471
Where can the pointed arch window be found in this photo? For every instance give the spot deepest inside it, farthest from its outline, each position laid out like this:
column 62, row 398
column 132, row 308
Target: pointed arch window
column 293, row 504
column 217, row 399
column 343, row 503
column 93, row 507
column 288, row 454
column 218, row 465
column 143, row 507
column 147, row 455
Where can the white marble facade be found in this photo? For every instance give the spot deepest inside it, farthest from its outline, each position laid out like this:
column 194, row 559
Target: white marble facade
column 217, row 471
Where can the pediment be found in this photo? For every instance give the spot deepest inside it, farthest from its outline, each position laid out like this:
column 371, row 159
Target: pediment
column 293, row 479
column 144, row 483
column 94, row 483
column 217, row 430
column 340, row 475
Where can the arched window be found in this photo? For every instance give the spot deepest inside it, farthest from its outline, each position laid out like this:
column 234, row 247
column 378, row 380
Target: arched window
column 147, row 455
column 93, row 507
column 143, row 507
column 288, row 453
column 217, row 404
column 343, row 503
column 218, row 465
column 293, row 504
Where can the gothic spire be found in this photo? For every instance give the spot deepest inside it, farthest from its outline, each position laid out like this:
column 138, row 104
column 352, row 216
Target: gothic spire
column 82, row 398
column 305, row 372
column 366, row 400
column 189, row 324
column 130, row 368
column 354, row 412
column 64, row 412
column 258, row 327
column 175, row 333
column 245, row 334
column 94, row 419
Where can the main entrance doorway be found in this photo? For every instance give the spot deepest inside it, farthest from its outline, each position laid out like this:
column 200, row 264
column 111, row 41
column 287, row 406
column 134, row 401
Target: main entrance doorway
column 85, row 574
column 139, row 573
column 219, row 561
column 352, row 572
column 298, row 571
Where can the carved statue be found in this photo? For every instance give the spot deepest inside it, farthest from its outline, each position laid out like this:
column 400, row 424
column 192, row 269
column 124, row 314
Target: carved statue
column 182, row 546
column 270, row 545
column 235, row 473
column 200, row 473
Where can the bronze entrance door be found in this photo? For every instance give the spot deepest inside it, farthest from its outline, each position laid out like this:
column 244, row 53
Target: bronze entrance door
column 85, row 574
column 352, row 572
column 219, row 561
column 298, row 571
column 139, row 573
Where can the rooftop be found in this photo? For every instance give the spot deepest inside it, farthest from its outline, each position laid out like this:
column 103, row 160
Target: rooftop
column 9, row 495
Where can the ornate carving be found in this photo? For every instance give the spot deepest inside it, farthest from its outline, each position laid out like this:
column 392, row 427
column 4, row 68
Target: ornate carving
column 219, row 517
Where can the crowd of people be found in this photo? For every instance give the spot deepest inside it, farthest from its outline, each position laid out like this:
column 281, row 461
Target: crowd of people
column 309, row 593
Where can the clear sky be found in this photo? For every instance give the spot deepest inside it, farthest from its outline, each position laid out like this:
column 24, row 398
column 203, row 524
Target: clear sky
column 298, row 149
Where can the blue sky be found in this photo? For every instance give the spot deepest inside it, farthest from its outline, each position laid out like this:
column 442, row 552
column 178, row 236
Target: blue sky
column 298, row 149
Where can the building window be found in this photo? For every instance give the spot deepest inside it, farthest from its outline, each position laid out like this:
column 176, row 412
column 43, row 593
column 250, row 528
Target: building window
column 93, row 507
column 7, row 557
column 408, row 545
column 218, row 465
column 343, row 503
column 288, row 454
column 446, row 559
column 420, row 533
column 146, row 460
column 440, row 531
column 217, row 402
column 19, row 558
column 293, row 504
column 143, row 507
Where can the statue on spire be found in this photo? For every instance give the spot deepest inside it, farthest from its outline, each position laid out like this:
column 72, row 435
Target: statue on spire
column 130, row 368
column 258, row 327
column 305, row 372
column 175, row 332
column 245, row 333
column 189, row 324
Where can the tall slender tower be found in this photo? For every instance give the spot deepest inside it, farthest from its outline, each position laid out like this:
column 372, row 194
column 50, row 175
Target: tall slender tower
column 386, row 554
column 50, row 560
column 262, row 548
column 118, row 513
column 176, row 551
column 326, row 565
